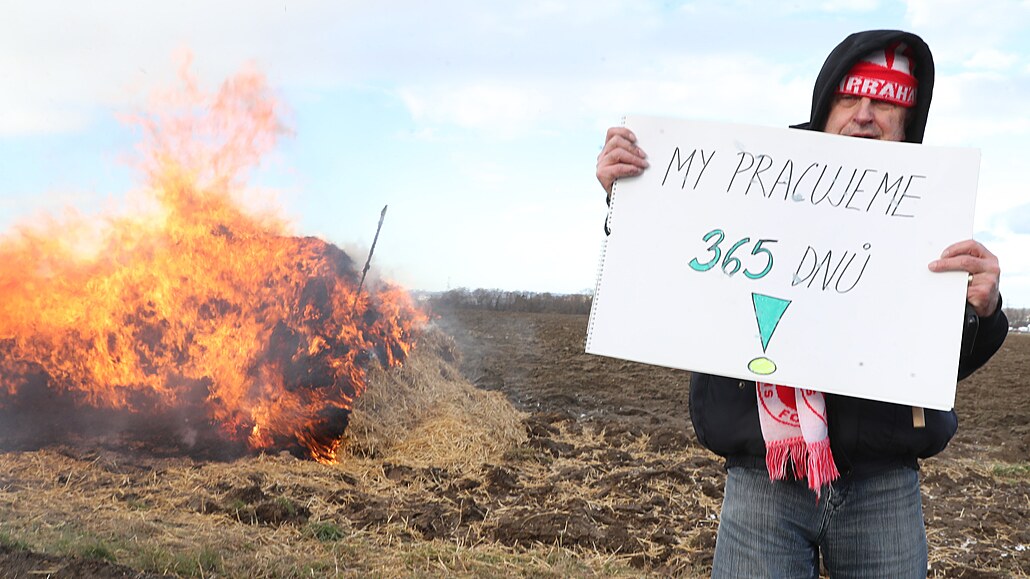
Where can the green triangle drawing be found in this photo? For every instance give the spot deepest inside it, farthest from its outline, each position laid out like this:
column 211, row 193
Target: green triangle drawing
column 768, row 311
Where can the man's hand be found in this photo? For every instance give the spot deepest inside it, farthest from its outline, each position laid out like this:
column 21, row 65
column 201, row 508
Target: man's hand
column 982, row 265
column 620, row 157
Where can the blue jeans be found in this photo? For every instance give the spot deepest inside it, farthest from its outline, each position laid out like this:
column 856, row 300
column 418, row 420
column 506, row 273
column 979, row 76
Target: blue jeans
column 871, row 527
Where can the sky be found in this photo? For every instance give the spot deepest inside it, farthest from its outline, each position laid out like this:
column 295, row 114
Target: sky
column 479, row 122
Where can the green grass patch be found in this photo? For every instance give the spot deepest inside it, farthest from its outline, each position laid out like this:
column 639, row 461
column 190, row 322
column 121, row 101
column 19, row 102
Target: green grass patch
column 75, row 542
column 12, row 542
column 1017, row 471
column 95, row 549
column 137, row 505
column 324, row 531
column 286, row 505
column 209, row 560
column 197, row 563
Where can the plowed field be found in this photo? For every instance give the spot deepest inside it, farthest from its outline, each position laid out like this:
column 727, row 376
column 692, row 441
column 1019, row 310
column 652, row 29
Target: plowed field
column 607, row 479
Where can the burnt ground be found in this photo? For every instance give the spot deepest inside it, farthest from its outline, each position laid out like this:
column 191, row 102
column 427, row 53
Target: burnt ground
column 609, row 471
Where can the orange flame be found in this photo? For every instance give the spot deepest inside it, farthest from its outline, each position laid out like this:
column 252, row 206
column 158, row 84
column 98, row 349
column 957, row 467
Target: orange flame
column 200, row 313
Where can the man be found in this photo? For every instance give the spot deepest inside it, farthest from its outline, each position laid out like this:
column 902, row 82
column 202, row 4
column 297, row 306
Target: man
column 861, row 508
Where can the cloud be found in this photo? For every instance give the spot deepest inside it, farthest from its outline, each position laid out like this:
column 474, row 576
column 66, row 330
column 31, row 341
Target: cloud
column 498, row 67
column 503, row 109
column 957, row 30
column 1017, row 219
column 959, row 13
column 991, row 59
column 733, row 87
column 677, row 84
column 986, row 236
column 63, row 63
column 976, row 107
column 848, row 5
column 794, row 7
column 22, row 118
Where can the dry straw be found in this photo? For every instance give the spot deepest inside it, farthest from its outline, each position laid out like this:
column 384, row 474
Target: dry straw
column 426, row 413
column 176, row 516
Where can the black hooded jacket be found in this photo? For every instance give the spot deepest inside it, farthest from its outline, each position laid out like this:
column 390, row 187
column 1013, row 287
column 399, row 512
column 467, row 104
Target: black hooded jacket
column 849, row 52
column 866, row 436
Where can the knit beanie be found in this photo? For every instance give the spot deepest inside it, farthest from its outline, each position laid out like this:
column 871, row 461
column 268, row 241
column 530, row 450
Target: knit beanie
column 885, row 74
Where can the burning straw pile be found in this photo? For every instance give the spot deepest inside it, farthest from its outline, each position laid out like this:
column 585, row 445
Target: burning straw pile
column 196, row 326
column 198, row 329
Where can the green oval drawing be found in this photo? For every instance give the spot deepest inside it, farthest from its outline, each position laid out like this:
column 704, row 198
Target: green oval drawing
column 762, row 366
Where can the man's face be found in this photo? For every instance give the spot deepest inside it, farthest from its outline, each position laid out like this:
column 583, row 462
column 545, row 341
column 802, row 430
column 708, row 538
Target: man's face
column 864, row 117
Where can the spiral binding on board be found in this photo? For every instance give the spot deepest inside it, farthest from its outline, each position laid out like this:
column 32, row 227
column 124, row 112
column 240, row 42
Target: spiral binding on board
column 600, row 272
column 600, row 261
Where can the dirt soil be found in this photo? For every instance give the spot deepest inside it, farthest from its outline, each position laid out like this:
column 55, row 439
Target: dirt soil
column 610, row 469
column 976, row 494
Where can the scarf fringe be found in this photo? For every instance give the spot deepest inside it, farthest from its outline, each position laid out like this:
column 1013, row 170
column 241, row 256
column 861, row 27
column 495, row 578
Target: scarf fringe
column 821, row 469
column 778, row 452
column 802, row 438
column 812, row 461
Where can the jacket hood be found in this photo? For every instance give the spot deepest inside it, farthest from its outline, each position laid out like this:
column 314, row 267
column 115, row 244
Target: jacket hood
column 850, row 51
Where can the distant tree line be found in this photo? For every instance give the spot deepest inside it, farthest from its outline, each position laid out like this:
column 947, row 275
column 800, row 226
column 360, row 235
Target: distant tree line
column 546, row 302
column 510, row 301
column 1018, row 317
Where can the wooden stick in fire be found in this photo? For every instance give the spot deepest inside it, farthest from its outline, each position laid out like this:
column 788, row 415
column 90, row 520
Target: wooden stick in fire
column 368, row 263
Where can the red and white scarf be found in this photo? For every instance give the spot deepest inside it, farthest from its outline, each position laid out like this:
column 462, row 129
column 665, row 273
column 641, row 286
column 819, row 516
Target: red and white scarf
column 794, row 428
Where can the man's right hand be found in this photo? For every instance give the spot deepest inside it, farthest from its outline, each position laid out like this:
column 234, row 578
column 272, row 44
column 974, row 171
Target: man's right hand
column 620, row 157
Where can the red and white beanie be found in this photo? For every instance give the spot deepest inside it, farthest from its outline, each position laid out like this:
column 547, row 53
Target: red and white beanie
column 885, row 74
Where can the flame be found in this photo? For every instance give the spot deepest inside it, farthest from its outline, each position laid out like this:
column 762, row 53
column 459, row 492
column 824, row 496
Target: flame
column 196, row 312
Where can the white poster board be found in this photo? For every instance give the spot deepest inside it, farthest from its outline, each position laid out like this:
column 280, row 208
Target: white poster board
column 788, row 256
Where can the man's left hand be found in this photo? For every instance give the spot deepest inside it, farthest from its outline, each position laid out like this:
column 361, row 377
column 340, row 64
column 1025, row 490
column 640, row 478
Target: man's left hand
column 972, row 257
